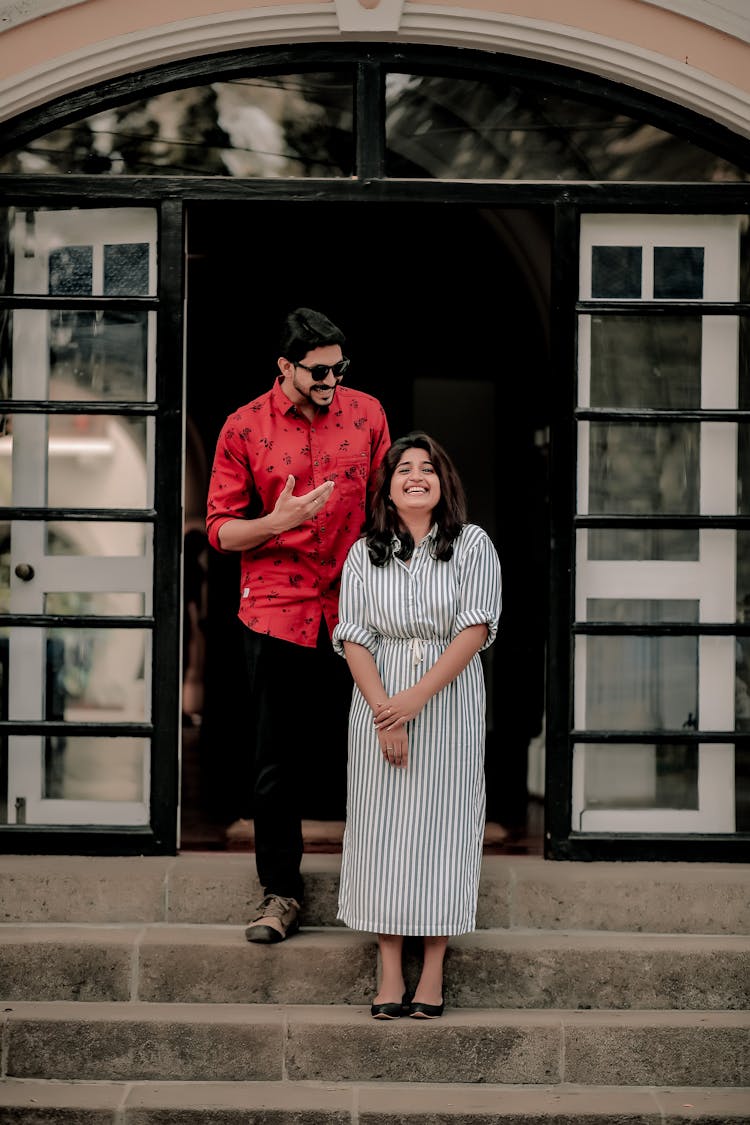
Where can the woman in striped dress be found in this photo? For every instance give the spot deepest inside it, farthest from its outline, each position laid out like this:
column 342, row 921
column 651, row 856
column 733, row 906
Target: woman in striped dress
column 420, row 599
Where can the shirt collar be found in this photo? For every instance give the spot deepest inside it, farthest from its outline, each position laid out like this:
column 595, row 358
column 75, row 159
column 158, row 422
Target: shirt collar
column 431, row 534
column 281, row 401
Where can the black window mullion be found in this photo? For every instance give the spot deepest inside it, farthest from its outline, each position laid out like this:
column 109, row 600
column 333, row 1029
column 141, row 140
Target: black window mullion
column 562, row 480
column 369, row 127
column 168, row 527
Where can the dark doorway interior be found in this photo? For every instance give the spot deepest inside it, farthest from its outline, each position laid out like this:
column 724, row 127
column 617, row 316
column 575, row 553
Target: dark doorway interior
column 446, row 313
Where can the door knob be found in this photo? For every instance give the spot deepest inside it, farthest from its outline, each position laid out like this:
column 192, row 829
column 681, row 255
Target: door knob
column 25, row 572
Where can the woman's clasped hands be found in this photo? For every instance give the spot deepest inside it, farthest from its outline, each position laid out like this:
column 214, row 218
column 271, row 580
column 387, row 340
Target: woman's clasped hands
column 390, row 718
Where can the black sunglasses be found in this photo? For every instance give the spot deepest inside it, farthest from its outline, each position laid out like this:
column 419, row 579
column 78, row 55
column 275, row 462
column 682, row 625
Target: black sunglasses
column 319, row 371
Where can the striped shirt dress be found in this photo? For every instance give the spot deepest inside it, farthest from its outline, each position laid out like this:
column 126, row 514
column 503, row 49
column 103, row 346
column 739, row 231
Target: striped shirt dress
column 413, row 840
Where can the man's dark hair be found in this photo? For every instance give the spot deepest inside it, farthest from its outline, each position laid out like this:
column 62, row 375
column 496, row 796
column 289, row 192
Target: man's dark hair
column 306, row 329
column 449, row 513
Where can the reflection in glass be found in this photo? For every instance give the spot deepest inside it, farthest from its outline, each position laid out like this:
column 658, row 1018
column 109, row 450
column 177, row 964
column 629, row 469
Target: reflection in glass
column 456, row 128
column 69, row 354
column 643, row 611
column 640, row 777
column 644, row 468
column 743, row 576
column 646, row 362
column 678, row 273
column 93, row 460
column 643, row 544
column 98, row 538
column 70, row 271
column 641, row 683
column 616, row 271
column 742, row 684
column 743, row 469
column 63, row 252
column 270, row 126
column 97, row 675
column 126, row 269
column 95, row 768
column 4, row 558
column 99, row 605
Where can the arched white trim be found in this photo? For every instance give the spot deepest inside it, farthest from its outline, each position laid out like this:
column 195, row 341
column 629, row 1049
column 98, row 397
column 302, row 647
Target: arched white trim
column 417, row 23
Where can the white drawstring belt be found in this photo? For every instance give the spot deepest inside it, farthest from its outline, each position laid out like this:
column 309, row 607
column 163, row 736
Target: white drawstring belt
column 417, row 650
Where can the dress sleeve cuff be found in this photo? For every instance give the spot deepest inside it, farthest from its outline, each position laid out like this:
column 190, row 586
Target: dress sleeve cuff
column 347, row 631
column 478, row 617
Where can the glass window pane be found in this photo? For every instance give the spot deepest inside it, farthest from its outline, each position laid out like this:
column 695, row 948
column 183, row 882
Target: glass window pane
column 446, row 127
column 100, row 605
column 4, row 565
column 616, row 271
column 641, row 683
column 678, row 272
column 651, row 362
column 98, row 539
column 743, row 576
column 644, row 468
column 634, row 544
column 75, row 354
column 259, row 126
column 78, row 251
column 97, row 675
column 126, row 269
column 643, row 611
column 90, row 460
column 640, row 777
column 71, row 271
column 95, row 769
column 743, row 470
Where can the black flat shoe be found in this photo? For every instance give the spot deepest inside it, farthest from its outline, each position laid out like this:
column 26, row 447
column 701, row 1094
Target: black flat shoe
column 392, row 1011
column 425, row 1011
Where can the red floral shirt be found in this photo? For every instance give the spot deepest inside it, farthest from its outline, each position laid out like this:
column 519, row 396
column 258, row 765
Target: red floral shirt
column 291, row 581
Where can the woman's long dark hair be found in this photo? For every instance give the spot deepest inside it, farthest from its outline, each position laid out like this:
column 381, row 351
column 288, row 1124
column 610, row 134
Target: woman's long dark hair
column 449, row 513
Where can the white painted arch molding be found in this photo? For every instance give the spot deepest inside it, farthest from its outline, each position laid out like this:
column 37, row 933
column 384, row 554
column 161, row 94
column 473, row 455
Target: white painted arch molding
column 397, row 21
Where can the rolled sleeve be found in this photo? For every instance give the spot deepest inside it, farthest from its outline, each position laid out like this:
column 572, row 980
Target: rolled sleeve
column 480, row 599
column 230, row 484
column 353, row 622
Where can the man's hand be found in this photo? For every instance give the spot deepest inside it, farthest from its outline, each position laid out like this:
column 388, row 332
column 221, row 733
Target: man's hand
column 290, row 511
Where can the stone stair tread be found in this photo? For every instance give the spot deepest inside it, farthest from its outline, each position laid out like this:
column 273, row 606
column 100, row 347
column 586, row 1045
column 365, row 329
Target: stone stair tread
column 335, row 937
column 369, row 1103
column 354, row 1015
column 341, row 1043
column 484, row 969
column 515, row 892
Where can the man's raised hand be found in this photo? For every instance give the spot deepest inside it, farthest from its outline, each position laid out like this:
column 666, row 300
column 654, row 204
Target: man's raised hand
column 290, row 510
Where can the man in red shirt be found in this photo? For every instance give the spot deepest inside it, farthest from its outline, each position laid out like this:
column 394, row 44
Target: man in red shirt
column 289, row 487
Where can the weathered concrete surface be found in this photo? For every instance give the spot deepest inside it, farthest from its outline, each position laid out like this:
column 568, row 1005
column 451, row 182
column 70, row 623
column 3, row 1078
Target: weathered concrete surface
column 235, row 1042
column 516, row 892
column 296, row 1103
column 486, row 969
column 590, row 994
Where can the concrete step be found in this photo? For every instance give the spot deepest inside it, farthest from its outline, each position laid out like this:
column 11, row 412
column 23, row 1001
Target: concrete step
column 302, row 1103
column 487, row 969
column 516, row 892
column 137, row 1042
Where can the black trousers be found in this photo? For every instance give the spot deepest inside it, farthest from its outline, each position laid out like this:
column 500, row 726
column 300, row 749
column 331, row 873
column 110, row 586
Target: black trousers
column 297, row 715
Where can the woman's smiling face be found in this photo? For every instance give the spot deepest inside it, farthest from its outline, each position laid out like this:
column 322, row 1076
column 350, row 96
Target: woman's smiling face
column 415, row 485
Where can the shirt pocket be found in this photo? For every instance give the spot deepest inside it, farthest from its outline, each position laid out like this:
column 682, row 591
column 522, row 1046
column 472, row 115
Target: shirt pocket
column 349, row 472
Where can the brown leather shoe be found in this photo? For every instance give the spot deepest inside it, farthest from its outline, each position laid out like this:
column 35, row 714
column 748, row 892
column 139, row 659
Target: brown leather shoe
column 275, row 918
